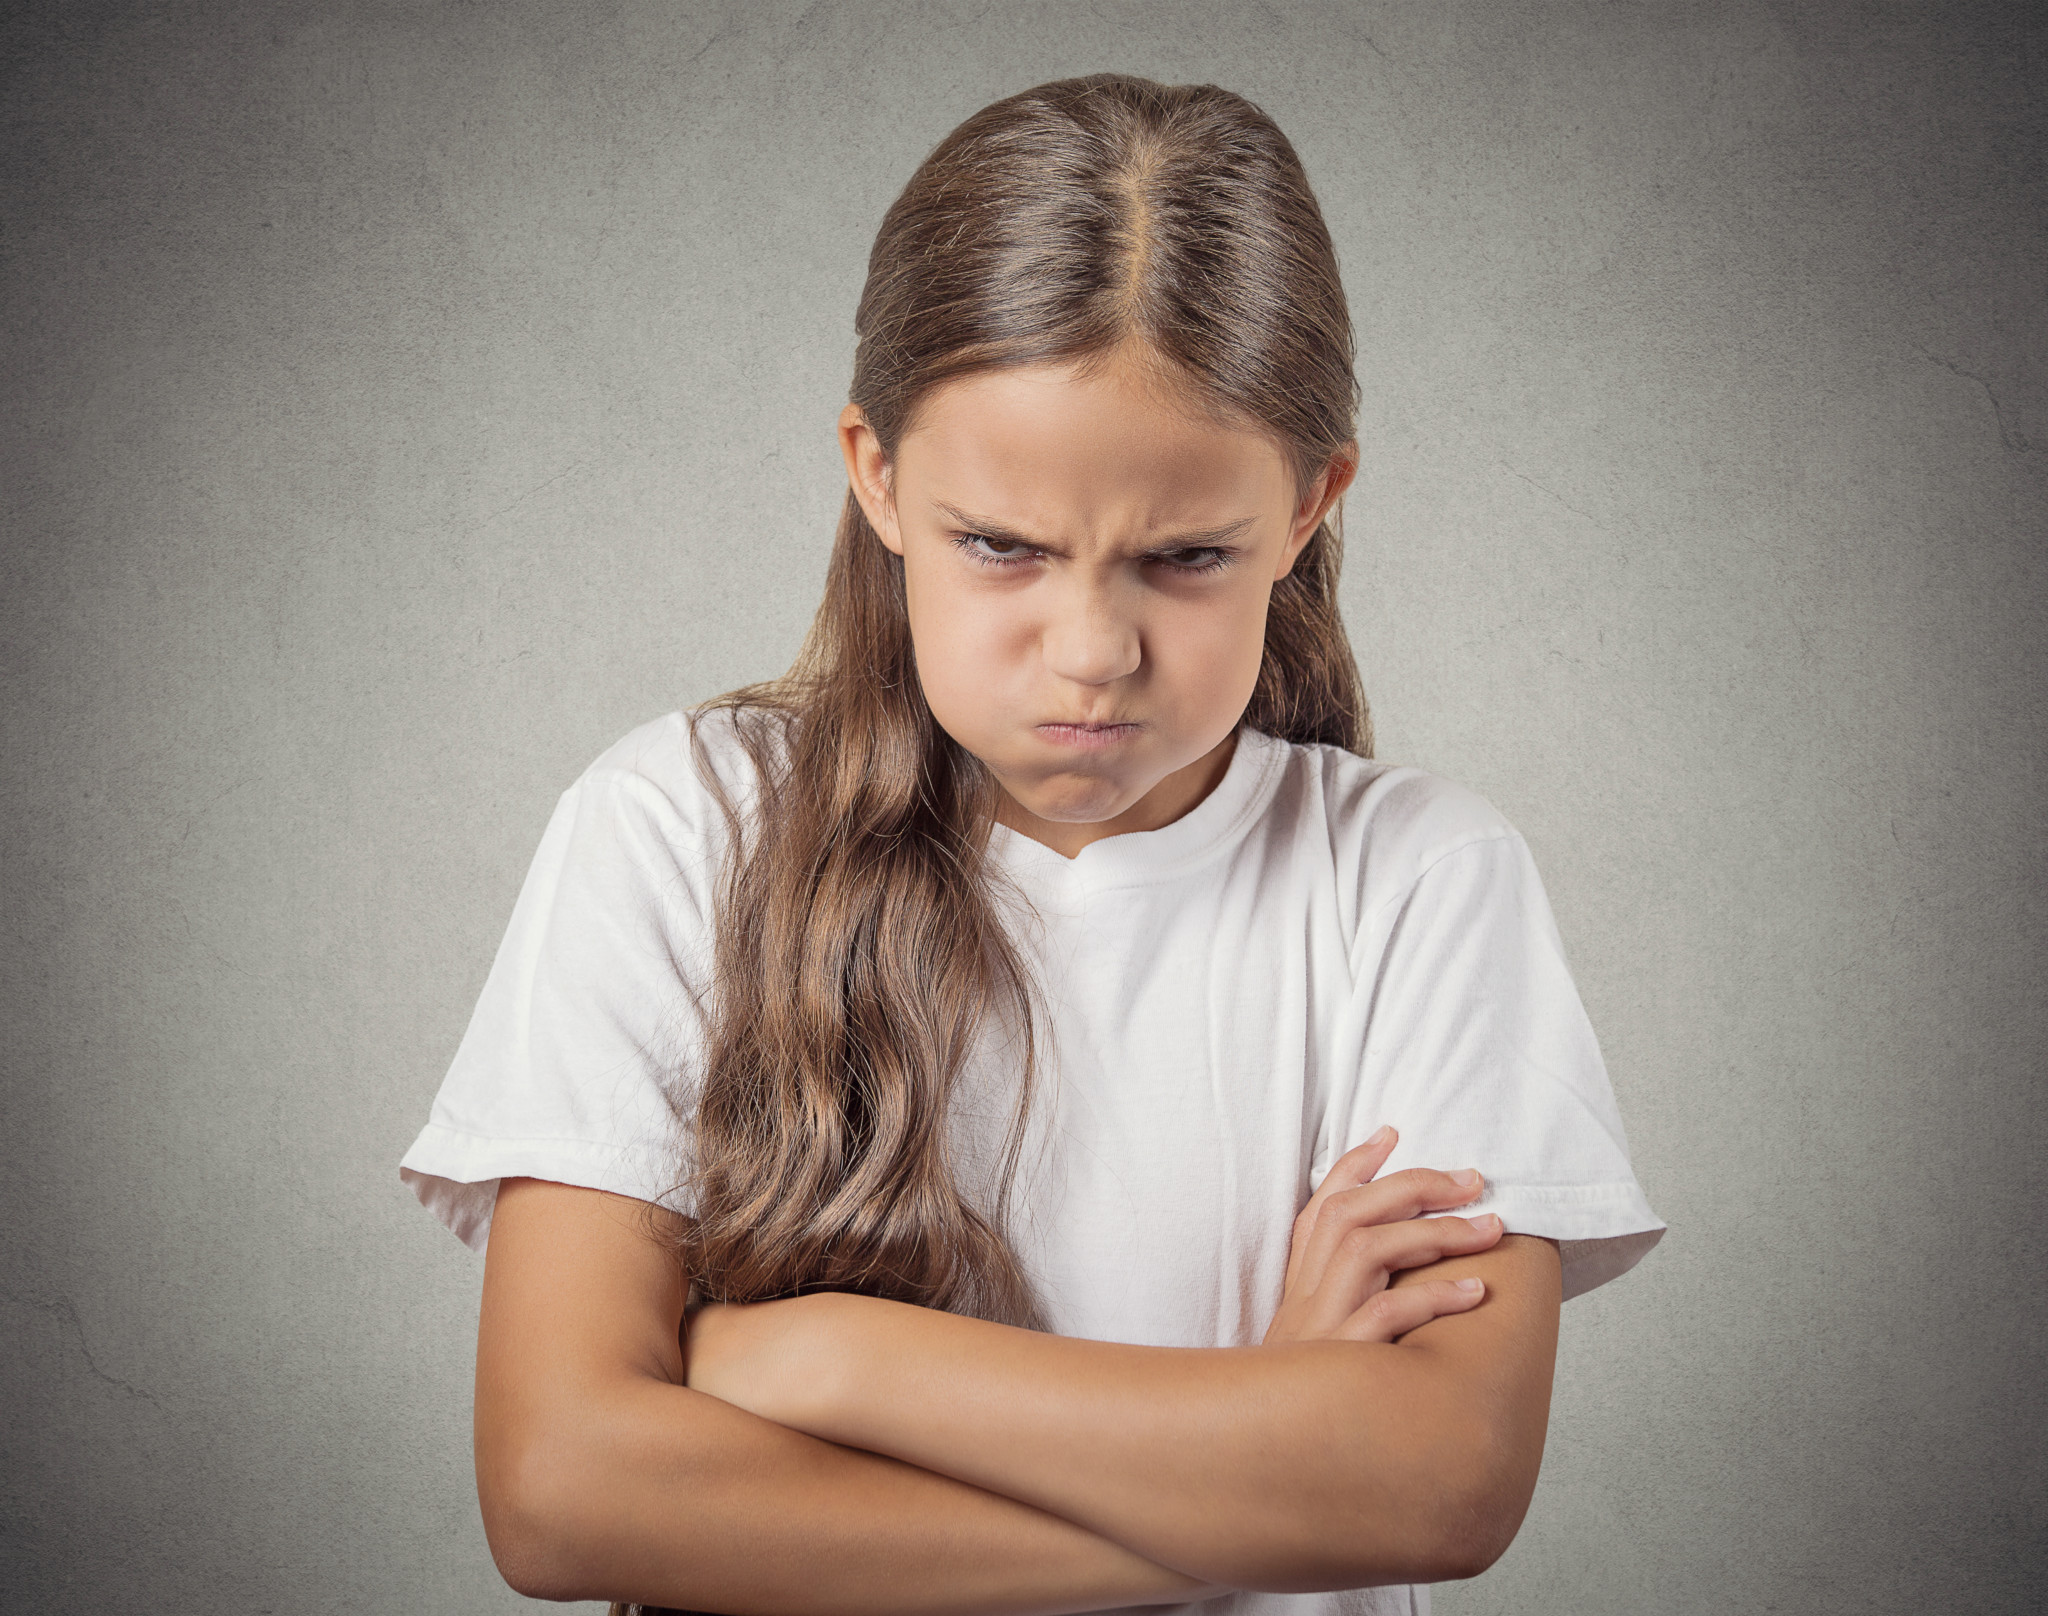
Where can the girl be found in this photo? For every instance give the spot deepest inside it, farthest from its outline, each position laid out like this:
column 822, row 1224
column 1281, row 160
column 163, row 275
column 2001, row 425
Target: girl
column 895, row 1105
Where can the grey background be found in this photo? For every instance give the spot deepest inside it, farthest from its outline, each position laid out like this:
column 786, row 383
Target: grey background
column 405, row 399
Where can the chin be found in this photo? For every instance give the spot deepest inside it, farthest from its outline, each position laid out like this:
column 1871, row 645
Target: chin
column 1083, row 803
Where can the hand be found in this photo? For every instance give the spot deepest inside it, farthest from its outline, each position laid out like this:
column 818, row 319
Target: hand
column 1355, row 1234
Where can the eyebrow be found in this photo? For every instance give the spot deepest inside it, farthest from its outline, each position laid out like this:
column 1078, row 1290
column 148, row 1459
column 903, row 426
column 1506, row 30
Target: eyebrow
column 1197, row 539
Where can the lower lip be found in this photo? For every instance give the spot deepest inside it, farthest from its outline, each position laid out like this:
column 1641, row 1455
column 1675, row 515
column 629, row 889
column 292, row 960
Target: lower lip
column 1087, row 739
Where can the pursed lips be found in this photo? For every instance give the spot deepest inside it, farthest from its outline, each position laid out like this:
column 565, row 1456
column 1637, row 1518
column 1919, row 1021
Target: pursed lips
column 1093, row 733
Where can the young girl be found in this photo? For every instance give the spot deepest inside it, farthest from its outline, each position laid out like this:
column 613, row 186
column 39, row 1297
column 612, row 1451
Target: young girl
column 895, row 1107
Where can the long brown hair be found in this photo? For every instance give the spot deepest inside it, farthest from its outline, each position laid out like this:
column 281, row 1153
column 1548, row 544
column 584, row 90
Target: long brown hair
column 859, row 954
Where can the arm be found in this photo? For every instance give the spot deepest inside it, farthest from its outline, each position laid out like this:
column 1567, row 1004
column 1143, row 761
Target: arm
column 1316, row 1464
column 601, row 1476
column 1311, row 1462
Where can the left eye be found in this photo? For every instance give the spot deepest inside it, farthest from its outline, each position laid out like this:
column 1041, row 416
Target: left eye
column 996, row 552
column 1204, row 559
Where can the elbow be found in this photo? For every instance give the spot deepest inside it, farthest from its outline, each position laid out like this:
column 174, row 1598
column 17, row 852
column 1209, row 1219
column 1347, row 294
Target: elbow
column 1438, row 1502
column 1464, row 1553
column 1444, row 1510
column 529, row 1519
column 1438, row 1533
column 1478, row 1512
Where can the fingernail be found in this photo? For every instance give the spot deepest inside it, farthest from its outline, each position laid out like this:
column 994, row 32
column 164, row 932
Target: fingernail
column 1468, row 1286
column 1486, row 1223
column 1467, row 1176
column 1382, row 1136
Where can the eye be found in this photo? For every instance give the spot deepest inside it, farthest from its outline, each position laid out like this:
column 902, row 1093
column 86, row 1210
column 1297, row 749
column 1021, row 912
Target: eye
column 1203, row 558
column 994, row 552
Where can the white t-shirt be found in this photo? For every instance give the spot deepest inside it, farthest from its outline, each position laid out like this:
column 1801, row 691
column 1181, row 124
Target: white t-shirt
column 1323, row 944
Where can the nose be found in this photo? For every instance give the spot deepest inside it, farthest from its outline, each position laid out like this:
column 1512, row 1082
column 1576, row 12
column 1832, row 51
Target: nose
column 1090, row 637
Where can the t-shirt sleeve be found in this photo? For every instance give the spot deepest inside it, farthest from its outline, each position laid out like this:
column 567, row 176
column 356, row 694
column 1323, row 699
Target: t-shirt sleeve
column 577, row 1063
column 1476, row 1047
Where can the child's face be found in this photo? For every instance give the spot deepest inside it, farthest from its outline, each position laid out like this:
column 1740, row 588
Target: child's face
column 1087, row 568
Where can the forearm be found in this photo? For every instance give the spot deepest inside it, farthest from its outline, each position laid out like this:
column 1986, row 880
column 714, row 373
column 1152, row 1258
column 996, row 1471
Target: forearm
column 1313, row 1465
column 1319, row 1465
column 666, row 1496
column 602, row 1476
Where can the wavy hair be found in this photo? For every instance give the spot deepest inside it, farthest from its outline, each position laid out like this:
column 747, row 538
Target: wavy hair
column 858, row 952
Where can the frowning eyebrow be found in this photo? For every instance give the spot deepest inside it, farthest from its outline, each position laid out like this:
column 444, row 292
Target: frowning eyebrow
column 1199, row 539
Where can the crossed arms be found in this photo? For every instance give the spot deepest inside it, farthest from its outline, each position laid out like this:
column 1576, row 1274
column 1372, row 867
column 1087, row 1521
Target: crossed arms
column 846, row 1455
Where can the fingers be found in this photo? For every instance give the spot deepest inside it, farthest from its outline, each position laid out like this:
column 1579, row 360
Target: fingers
column 1368, row 1256
column 1418, row 1242
column 1393, row 1313
column 1355, row 1167
column 1392, row 1199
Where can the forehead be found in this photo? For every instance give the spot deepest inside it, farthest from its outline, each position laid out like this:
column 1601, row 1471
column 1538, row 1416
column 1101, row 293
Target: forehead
column 1056, row 447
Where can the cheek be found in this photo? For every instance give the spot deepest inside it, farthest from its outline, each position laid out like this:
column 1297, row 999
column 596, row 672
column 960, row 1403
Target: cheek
column 1209, row 657
column 966, row 642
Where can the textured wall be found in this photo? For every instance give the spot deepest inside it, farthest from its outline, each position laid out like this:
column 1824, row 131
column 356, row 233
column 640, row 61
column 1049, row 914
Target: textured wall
column 404, row 399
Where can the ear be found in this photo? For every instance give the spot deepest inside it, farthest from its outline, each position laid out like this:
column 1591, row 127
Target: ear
column 868, row 475
column 1317, row 501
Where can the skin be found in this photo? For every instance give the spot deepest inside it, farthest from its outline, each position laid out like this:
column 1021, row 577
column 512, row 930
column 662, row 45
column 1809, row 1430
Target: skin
column 1088, row 562
column 1129, row 595
column 1377, row 1435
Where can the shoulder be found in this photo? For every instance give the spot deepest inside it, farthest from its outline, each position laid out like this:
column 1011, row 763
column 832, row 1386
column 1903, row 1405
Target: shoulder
column 689, row 764
column 664, row 797
column 1376, row 827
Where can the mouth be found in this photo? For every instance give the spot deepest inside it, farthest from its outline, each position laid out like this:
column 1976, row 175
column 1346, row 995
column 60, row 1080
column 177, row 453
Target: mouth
column 1087, row 737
